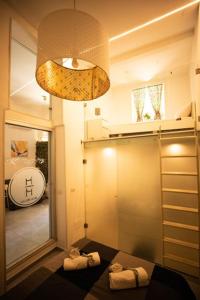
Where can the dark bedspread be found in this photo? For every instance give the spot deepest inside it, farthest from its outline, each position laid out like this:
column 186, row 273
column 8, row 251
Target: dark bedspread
column 93, row 283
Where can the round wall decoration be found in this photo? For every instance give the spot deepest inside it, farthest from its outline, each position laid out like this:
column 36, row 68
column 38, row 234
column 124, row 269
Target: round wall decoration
column 26, row 187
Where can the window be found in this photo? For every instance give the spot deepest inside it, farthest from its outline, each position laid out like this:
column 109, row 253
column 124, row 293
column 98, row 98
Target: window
column 148, row 103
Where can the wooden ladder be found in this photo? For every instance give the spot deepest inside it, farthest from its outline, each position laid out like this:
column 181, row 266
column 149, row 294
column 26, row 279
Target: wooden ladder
column 180, row 200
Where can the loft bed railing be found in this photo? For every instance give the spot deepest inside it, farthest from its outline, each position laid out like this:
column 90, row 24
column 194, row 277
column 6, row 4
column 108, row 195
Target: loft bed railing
column 143, row 132
column 99, row 130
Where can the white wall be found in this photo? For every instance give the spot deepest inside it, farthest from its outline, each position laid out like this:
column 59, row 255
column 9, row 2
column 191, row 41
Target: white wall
column 104, row 103
column 59, row 183
column 36, row 110
column 178, row 94
column 73, row 119
column 116, row 107
column 4, row 79
column 195, row 63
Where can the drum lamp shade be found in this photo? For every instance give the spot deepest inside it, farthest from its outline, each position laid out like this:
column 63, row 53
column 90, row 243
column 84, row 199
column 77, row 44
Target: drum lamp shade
column 72, row 57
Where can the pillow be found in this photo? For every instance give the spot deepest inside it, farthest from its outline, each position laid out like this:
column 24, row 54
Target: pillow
column 185, row 112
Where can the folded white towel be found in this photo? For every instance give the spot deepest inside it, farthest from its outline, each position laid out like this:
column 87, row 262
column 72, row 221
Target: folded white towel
column 116, row 267
column 81, row 262
column 93, row 259
column 135, row 277
column 74, row 252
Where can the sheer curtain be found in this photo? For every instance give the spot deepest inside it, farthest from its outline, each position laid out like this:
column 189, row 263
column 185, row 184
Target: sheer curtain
column 138, row 98
column 155, row 94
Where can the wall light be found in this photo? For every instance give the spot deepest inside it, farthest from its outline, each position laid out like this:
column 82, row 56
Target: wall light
column 72, row 61
column 108, row 152
column 175, row 149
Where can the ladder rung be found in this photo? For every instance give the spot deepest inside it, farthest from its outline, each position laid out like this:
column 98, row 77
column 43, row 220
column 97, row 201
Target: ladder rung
column 182, row 243
column 178, row 131
column 179, row 137
column 181, row 208
column 174, row 241
column 176, row 156
column 180, row 191
column 180, row 173
column 182, row 260
column 180, row 225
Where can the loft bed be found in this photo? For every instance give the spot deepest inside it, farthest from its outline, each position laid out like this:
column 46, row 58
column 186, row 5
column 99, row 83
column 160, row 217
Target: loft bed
column 93, row 283
column 152, row 126
column 100, row 130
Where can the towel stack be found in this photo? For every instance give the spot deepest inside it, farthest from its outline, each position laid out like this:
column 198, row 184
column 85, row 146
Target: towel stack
column 75, row 261
column 126, row 279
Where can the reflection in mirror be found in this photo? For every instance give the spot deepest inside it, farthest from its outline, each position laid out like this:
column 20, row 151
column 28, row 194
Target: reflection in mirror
column 25, row 94
column 27, row 193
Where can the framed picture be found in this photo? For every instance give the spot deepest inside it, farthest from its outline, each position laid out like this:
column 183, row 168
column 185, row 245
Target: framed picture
column 19, row 148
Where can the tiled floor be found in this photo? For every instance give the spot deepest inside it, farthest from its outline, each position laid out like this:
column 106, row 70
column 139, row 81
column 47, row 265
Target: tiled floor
column 54, row 260
column 26, row 229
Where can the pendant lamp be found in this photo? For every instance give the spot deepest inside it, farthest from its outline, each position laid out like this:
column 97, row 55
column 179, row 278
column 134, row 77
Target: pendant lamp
column 72, row 57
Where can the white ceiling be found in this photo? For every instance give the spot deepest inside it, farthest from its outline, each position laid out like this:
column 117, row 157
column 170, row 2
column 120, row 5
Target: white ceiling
column 155, row 50
column 116, row 15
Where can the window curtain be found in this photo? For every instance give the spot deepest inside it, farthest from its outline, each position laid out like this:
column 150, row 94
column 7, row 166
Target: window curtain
column 138, row 98
column 155, row 94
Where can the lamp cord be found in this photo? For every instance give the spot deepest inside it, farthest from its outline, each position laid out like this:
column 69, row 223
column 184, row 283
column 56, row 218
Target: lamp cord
column 74, row 4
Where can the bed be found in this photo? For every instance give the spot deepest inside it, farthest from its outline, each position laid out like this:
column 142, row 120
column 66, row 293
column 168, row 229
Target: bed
column 152, row 126
column 93, row 283
column 98, row 129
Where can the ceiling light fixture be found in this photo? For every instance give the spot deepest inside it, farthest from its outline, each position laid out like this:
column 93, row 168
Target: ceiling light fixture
column 72, row 58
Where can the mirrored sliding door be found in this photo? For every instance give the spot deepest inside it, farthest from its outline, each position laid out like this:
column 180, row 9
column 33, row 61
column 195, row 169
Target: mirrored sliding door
column 27, row 191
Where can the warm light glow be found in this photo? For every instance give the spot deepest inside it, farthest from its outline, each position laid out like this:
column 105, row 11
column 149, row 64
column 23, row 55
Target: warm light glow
column 146, row 76
column 175, row 149
column 108, row 152
column 45, row 136
column 79, row 64
column 155, row 20
column 75, row 63
column 74, row 35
